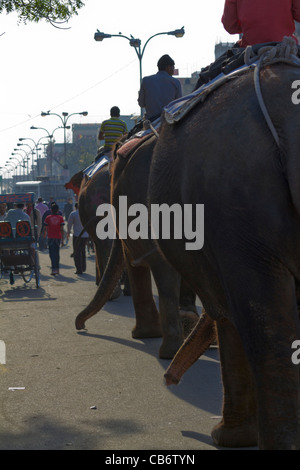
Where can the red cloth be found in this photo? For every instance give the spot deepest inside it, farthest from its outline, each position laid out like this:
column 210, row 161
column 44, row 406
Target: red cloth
column 53, row 223
column 260, row 20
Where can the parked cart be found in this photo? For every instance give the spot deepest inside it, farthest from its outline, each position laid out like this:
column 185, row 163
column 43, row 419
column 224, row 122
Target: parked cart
column 18, row 249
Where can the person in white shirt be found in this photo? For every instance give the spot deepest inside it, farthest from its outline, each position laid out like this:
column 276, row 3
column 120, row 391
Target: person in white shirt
column 79, row 243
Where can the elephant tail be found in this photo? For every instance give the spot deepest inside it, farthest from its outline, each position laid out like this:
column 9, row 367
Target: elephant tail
column 110, row 278
column 193, row 347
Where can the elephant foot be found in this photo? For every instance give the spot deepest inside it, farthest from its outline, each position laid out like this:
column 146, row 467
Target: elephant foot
column 244, row 435
column 140, row 332
column 188, row 321
column 169, row 348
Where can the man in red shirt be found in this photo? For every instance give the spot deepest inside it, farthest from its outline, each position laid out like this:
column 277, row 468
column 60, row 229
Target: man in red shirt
column 54, row 226
column 261, row 21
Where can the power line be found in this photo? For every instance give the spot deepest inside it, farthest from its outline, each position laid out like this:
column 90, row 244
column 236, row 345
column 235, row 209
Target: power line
column 72, row 98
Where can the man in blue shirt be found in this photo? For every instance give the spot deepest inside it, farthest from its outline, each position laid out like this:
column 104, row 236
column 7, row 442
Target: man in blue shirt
column 159, row 89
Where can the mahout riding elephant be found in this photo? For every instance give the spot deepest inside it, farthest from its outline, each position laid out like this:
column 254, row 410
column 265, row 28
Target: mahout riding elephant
column 130, row 179
column 241, row 159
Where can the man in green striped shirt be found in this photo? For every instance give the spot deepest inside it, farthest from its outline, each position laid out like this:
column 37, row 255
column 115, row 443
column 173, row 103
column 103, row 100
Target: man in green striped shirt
column 112, row 129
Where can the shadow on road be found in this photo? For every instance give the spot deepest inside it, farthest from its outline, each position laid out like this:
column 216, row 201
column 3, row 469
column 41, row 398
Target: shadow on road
column 56, row 436
column 198, row 385
column 24, row 293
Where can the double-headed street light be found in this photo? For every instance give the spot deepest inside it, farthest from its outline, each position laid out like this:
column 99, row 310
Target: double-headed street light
column 64, row 119
column 21, row 162
column 25, row 157
column 50, row 137
column 12, row 168
column 32, row 152
column 136, row 43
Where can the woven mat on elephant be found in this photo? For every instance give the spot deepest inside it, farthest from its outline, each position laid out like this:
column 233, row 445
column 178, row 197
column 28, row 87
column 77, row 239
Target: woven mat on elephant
column 179, row 108
column 251, row 57
column 96, row 166
column 132, row 144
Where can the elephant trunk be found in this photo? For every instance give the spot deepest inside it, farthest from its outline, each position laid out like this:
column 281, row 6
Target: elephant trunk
column 111, row 276
column 193, row 347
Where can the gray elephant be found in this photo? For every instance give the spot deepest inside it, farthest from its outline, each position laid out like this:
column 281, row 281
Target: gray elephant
column 241, row 159
column 177, row 311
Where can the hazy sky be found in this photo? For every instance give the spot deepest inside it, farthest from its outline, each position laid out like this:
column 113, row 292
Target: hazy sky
column 44, row 68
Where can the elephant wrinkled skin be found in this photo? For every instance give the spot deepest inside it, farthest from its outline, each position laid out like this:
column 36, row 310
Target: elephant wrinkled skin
column 91, row 193
column 130, row 178
column 224, row 156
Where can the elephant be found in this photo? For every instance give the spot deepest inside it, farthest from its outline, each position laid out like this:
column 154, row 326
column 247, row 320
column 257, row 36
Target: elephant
column 177, row 310
column 241, row 161
column 91, row 193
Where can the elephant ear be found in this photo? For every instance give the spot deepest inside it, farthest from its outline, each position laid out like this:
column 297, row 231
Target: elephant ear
column 75, row 182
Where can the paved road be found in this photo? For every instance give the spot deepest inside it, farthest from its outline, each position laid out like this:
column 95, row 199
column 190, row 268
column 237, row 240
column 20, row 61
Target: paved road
column 95, row 390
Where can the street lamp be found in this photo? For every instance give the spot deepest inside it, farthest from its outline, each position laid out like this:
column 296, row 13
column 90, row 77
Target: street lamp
column 136, row 43
column 50, row 137
column 9, row 164
column 31, row 151
column 25, row 157
column 64, row 119
column 13, row 168
column 20, row 162
column 2, row 170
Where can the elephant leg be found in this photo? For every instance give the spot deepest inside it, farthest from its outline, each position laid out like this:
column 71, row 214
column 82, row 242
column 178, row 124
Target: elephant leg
column 187, row 299
column 267, row 325
column 147, row 317
column 276, row 375
column 168, row 285
column 187, row 308
column 125, row 281
column 238, row 427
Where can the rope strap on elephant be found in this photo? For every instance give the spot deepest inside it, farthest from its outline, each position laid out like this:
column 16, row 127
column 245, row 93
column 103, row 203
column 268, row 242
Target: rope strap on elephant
column 286, row 51
column 254, row 57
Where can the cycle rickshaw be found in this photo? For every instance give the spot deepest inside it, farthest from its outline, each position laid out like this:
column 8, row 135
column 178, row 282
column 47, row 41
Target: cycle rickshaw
column 18, row 248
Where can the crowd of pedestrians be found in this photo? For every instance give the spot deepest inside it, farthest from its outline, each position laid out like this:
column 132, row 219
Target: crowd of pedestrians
column 48, row 224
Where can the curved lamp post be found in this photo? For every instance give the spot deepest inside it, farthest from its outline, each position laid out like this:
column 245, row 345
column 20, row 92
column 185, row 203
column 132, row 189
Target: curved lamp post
column 64, row 119
column 32, row 153
column 24, row 160
column 25, row 157
column 50, row 137
column 136, row 43
column 2, row 171
column 12, row 168
column 19, row 164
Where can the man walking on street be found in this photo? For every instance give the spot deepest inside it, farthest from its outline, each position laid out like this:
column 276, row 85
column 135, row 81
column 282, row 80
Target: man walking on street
column 54, row 226
column 79, row 243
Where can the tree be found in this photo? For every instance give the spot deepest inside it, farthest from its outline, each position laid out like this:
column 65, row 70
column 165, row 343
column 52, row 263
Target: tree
column 53, row 11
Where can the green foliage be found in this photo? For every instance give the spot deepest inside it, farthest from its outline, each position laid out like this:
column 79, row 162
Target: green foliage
column 53, row 11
